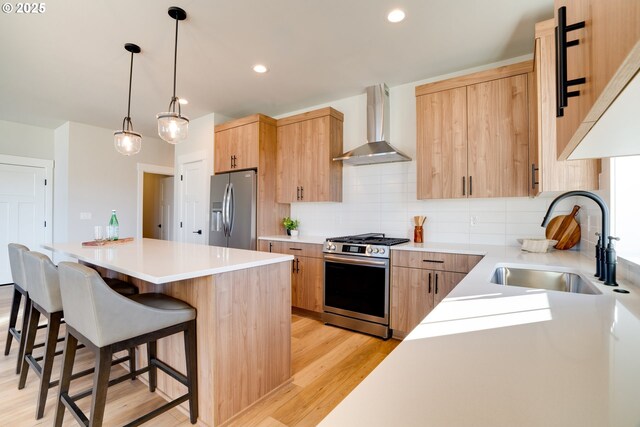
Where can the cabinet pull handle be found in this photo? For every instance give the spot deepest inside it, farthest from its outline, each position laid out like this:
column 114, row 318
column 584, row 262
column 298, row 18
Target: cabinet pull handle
column 436, row 283
column 562, row 83
column 429, row 283
column 433, row 260
column 295, row 249
column 301, row 193
column 293, row 266
column 297, row 193
column 297, row 265
column 470, row 185
column 464, row 186
column 534, row 169
column 270, row 246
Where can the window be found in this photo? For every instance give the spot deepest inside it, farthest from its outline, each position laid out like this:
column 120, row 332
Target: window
column 625, row 204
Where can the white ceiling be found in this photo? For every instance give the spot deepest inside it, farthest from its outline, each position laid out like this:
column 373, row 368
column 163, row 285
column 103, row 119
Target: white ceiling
column 69, row 63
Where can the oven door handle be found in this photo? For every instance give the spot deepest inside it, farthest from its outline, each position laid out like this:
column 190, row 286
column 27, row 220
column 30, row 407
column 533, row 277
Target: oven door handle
column 359, row 261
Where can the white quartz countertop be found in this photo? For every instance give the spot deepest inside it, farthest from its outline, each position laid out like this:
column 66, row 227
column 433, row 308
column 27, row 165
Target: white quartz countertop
column 162, row 261
column 492, row 355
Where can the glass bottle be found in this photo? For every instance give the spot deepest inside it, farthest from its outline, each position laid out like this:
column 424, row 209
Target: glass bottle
column 113, row 226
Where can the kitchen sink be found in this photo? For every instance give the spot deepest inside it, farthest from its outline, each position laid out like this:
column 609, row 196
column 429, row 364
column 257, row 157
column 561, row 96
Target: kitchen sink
column 543, row 279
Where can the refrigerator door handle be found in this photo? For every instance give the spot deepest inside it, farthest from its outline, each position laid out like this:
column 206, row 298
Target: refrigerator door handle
column 231, row 207
column 225, row 217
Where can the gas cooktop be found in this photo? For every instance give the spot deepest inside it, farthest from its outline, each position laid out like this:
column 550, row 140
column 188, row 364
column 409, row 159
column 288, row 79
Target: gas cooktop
column 378, row 239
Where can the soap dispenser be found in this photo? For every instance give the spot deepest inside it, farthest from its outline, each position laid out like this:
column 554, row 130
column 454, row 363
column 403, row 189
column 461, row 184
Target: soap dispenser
column 610, row 256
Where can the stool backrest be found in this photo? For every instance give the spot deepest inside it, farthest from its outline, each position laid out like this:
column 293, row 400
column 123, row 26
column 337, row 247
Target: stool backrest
column 44, row 282
column 16, row 250
column 92, row 308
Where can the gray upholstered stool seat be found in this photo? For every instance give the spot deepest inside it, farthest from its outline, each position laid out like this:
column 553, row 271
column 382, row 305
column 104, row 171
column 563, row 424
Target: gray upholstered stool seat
column 106, row 322
column 19, row 290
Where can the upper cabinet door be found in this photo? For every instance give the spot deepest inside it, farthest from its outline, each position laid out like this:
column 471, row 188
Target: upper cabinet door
column 498, row 134
column 442, row 144
column 237, row 148
column 287, row 164
column 307, row 144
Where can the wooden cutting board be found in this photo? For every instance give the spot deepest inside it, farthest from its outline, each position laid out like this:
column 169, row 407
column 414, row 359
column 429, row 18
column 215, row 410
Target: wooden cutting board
column 565, row 229
column 110, row 242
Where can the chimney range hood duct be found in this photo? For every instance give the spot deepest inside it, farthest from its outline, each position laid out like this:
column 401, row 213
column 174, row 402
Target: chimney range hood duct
column 377, row 149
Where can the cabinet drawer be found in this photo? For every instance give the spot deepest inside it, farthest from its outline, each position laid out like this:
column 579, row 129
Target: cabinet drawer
column 435, row 260
column 293, row 248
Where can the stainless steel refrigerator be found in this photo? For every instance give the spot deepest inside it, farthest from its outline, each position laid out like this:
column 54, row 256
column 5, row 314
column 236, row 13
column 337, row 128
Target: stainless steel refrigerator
column 232, row 221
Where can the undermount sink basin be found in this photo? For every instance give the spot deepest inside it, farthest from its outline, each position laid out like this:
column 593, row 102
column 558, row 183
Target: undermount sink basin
column 543, row 279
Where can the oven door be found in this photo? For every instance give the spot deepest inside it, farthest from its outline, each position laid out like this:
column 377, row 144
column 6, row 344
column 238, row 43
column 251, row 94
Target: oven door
column 357, row 287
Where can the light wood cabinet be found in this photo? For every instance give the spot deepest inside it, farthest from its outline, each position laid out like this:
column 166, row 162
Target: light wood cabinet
column 307, row 272
column 473, row 135
column 547, row 173
column 420, row 281
column 252, row 140
column 307, row 144
column 607, row 56
column 236, row 144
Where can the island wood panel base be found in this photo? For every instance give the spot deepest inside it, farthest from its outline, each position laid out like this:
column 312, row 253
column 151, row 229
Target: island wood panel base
column 244, row 337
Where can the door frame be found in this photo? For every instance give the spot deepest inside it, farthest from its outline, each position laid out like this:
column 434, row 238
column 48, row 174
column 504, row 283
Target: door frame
column 143, row 168
column 48, row 166
column 195, row 156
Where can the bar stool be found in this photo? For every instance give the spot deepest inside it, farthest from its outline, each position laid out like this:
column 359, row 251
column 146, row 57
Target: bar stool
column 105, row 323
column 19, row 290
column 42, row 276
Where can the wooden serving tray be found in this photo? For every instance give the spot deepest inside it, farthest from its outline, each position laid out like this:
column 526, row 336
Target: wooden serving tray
column 108, row 242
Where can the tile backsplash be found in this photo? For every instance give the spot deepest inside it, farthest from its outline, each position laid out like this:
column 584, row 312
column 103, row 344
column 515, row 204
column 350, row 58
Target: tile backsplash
column 382, row 198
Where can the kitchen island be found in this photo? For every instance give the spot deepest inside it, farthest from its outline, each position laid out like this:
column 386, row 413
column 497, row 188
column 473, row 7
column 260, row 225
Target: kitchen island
column 243, row 303
column 492, row 355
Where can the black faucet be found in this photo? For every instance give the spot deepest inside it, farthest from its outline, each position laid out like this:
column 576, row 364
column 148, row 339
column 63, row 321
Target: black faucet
column 605, row 258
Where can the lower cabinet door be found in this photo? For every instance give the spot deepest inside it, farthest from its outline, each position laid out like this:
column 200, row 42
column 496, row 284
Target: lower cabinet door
column 411, row 296
column 307, row 283
column 444, row 282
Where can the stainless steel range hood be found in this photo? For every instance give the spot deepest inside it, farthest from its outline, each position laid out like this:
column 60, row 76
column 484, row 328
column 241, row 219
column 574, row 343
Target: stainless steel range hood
column 377, row 149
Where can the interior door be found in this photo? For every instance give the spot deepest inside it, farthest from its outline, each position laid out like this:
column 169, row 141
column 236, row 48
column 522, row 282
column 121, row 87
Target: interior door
column 194, row 202
column 166, row 208
column 22, row 211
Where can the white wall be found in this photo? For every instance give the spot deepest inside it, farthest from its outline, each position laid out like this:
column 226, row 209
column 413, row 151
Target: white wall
column 382, row 198
column 26, row 141
column 92, row 178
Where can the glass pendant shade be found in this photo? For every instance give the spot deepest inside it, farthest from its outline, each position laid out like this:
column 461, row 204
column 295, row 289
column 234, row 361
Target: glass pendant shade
column 127, row 142
column 172, row 127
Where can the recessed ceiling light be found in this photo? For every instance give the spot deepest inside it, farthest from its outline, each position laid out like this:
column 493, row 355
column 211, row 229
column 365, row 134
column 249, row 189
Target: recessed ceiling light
column 260, row 68
column 395, row 15
column 183, row 101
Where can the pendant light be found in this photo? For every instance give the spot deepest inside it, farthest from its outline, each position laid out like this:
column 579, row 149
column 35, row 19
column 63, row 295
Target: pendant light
column 127, row 141
column 174, row 127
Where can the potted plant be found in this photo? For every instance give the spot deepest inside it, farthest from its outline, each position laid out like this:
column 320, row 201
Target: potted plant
column 291, row 225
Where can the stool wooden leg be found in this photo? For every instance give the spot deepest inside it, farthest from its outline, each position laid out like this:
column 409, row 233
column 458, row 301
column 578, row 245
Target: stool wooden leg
column 152, row 350
column 25, row 325
column 191, row 356
column 47, row 362
column 132, row 361
column 100, row 385
column 65, row 377
column 13, row 318
column 28, row 338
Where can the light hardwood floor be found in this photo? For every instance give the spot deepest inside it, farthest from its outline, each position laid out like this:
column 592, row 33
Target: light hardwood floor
column 328, row 363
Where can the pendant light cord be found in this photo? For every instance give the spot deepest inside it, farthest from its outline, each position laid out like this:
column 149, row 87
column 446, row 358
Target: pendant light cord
column 130, row 80
column 175, row 60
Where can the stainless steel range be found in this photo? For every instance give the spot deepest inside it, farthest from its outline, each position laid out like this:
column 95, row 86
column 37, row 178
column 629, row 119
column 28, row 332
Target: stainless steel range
column 356, row 282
